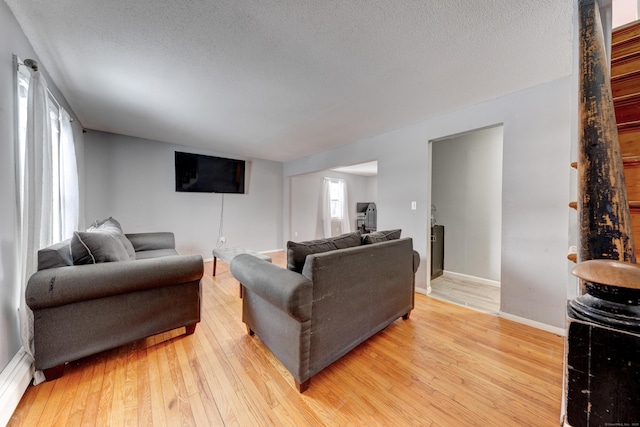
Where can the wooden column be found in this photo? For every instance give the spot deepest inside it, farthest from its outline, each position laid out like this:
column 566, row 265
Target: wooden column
column 603, row 209
column 603, row 324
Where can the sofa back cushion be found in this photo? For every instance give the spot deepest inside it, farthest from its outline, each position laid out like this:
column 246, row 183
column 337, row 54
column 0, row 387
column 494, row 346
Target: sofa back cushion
column 297, row 251
column 381, row 236
column 58, row 255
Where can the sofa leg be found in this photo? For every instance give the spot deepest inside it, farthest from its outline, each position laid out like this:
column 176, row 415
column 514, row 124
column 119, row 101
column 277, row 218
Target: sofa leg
column 249, row 330
column 302, row 387
column 53, row 373
column 406, row 316
column 190, row 329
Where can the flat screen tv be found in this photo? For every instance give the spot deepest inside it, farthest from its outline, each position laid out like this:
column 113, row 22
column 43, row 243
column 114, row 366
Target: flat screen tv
column 207, row 174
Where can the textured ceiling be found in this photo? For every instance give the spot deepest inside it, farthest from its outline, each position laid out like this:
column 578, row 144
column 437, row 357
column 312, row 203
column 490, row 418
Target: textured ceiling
column 281, row 79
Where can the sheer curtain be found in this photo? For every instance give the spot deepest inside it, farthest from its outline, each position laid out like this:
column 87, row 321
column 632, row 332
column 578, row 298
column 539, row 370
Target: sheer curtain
column 37, row 197
column 49, row 198
column 345, row 224
column 69, row 194
column 335, row 206
column 326, row 207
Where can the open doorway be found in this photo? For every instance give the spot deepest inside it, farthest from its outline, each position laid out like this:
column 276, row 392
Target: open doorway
column 466, row 198
column 306, row 199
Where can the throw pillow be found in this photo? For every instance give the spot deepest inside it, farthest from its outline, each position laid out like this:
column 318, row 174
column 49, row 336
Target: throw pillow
column 93, row 248
column 297, row 251
column 381, row 236
column 348, row 240
column 112, row 226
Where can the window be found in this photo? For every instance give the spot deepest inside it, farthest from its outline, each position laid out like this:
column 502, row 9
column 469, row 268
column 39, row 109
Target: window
column 61, row 159
column 336, row 198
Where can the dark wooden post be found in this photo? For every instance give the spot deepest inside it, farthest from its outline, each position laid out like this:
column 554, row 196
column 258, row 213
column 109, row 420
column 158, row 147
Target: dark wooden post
column 603, row 324
column 603, row 208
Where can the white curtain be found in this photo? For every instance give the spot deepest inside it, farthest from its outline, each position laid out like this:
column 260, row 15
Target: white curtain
column 345, row 224
column 36, row 200
column 69, row 196
column 341, row 198
column 326, row 207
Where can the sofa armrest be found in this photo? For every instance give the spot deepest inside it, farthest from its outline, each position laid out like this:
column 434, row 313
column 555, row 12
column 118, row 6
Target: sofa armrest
column 416, row 261
column 64, row 285
column 152, row 241
column 287, row 290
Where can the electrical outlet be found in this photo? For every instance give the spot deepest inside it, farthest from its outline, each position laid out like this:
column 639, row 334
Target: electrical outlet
column 223, row 240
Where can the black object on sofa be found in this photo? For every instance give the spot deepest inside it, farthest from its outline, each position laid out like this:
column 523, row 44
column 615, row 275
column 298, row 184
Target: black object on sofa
column 343, row 296
column 81, row 310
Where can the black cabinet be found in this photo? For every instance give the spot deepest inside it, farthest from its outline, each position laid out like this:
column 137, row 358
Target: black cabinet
column 437, row 251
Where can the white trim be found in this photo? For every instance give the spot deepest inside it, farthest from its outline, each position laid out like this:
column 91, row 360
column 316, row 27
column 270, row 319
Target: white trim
column 472, row 278
column 423, row 291
column 14, row 380
column 538, row 325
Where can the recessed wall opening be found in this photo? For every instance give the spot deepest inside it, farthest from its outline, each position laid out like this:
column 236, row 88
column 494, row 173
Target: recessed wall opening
column 466, row 219
column 307, row 202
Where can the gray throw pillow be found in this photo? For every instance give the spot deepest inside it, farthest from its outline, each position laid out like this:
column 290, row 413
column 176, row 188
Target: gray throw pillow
column 297, row 251
column 348, row 240
column 381, row 236
column 112, row 226
column 93, row 248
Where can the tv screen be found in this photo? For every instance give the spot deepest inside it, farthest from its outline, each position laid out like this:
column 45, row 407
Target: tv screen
column 207, row 174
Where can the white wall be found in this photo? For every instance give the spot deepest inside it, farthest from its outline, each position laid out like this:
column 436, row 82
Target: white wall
column 536, row 155
column 467, row 192
column 133, row 180
column 306, row 201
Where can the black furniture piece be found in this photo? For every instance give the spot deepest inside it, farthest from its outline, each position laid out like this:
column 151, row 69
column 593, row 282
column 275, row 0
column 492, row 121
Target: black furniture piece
column 437, row 251
column 367, row 220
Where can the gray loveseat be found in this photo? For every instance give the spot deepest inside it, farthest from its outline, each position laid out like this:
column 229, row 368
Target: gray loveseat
column 80, row 310
column 341, row 293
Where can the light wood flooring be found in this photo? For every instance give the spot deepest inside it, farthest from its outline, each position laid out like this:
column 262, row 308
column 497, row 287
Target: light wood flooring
column 466, row 292
column 445, row 366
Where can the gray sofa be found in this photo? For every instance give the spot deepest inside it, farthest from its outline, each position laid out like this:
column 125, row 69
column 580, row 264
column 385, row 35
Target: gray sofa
column 341, row 293
column 80, row 310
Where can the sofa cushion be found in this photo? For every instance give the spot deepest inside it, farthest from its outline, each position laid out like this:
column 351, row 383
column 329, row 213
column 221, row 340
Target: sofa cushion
column 92, row 248
column 348, row 240
column 381, row 236
column 297, row 251
column 57, row 255
column 112, row 226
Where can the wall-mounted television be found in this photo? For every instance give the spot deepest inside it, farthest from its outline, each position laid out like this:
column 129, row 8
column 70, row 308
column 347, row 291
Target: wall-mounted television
column 207, row 174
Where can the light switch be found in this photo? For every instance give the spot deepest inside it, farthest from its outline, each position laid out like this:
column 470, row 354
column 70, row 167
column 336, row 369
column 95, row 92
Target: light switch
column 414, row 205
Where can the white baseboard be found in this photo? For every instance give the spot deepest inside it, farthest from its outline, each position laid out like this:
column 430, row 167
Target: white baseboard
column 423, row 291
column 14, row 380
column 472, row 278
column 538, row 325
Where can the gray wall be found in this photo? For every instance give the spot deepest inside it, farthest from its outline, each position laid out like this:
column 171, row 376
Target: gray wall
column 133, row 180
column 536, row 154
column 13, row 41
column 306, row 201
column 467, row 192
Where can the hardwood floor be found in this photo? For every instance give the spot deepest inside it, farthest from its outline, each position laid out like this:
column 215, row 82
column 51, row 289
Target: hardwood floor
column 466, row 292
column 445, row 366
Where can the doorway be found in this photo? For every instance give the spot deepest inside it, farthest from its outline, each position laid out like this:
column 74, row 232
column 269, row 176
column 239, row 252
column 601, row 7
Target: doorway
column 306, row 198
column 466, row 198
